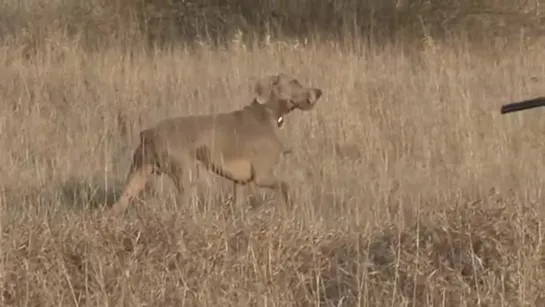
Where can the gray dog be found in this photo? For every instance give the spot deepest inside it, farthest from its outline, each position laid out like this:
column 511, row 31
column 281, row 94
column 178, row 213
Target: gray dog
column 242, row 146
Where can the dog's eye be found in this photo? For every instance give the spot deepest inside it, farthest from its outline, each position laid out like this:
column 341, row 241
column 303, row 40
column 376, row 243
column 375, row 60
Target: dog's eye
column 280, row 121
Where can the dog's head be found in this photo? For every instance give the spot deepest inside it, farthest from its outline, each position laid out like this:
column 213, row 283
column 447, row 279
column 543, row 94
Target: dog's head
column 287, row 92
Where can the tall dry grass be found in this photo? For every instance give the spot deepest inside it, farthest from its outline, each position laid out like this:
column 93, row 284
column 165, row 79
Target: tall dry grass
column 410, row 188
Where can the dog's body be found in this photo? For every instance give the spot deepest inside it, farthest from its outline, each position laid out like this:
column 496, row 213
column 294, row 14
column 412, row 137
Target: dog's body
column 222, row 140
column 242, row 146
column 523, row 105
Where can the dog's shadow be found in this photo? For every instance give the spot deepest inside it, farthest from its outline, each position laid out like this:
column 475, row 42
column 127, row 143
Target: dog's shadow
column 86, row 194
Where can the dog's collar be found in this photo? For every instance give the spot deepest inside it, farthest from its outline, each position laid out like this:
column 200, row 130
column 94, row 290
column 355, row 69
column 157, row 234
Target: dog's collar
column 280, row 121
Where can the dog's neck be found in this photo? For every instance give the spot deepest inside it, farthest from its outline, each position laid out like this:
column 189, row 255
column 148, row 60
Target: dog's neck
column 278, row 108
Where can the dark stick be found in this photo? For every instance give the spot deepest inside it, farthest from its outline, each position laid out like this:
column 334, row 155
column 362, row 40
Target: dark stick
column 523, row 105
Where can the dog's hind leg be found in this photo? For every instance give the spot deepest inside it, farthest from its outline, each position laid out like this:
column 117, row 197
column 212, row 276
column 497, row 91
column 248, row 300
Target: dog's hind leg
column 136, row 181
column 141, row 170
column 182, row 176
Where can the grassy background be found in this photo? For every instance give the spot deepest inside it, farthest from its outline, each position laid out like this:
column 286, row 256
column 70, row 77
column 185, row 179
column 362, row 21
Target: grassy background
column 410, row 188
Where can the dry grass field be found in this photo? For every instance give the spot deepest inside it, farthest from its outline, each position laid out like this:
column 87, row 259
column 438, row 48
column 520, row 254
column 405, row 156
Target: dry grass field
column 410, row 188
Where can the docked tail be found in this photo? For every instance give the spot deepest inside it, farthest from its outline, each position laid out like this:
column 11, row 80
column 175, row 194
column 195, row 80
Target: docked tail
column 523, row 105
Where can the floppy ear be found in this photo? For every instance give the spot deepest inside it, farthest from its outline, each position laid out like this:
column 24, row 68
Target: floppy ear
column 264, row 88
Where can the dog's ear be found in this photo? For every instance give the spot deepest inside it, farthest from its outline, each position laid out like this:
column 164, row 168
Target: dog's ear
column 264, row 88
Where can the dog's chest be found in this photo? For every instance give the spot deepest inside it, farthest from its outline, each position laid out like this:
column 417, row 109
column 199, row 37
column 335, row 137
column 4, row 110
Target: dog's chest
column 252, row 140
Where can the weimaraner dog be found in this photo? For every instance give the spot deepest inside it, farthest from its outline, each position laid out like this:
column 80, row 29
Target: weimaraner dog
column 243, row 145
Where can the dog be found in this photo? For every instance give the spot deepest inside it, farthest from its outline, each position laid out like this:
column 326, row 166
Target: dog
column 242, row 146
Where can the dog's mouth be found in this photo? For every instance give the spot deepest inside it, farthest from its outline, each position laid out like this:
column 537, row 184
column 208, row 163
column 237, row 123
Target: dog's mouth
column 280, row 121
column 306, row 105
